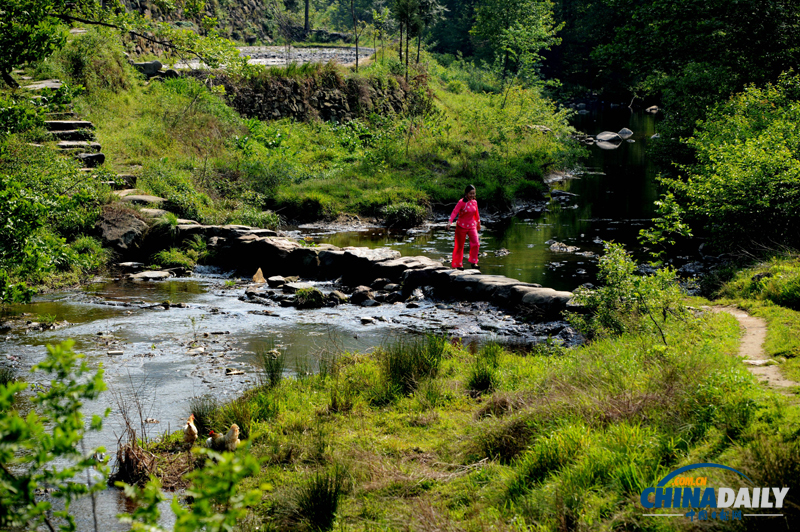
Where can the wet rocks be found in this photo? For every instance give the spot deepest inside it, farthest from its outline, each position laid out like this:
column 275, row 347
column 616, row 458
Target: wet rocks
column 121, row 229
column 361, row 294
column 150, row 276
column 609, row 136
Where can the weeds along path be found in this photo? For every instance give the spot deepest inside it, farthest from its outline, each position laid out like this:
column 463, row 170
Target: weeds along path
column 752, row 352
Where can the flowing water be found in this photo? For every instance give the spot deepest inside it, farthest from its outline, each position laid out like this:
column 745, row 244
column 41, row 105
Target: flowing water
column 614, row 194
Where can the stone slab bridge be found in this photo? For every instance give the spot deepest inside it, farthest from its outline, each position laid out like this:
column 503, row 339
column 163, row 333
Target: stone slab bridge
column 245, row 250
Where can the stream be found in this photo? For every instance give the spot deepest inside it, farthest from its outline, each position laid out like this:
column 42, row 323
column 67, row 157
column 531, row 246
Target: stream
column 202, row 341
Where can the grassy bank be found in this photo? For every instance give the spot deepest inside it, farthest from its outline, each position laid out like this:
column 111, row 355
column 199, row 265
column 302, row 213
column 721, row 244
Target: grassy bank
column 432, row 435
column 180, row 130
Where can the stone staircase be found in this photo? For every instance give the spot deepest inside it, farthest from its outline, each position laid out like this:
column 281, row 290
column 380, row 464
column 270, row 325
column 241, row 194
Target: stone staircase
column 76, row 137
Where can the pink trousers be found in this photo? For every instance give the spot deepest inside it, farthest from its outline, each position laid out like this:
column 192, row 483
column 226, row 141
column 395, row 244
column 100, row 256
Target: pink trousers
column 474, row 246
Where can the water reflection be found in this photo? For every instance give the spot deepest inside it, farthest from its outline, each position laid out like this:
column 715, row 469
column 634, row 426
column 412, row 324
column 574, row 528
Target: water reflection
column 615, row 195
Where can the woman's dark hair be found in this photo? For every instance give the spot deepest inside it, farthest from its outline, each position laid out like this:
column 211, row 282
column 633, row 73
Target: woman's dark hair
column 467, row 190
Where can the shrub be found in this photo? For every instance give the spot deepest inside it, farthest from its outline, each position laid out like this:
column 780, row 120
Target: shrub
column 95, row 60
column 456, row 86
column 309, row 298
column 627, row 301
column 404, row 215
column 745, row 185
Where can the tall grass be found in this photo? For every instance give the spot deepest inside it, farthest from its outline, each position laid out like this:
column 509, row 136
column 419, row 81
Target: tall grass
column 272, row 366
column 405, row 363
column 204, row 408
column 314, row 504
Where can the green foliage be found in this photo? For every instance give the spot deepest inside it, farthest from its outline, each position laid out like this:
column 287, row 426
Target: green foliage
column 174, row 258
column 272, row 364
column 626, row 301
column 239, row 412
column 28, row 32
column 404, row 215
column 204, row 408
column 777, row 281
column 94, row 60
column 177, row 187
column 28, row 447
column 483, row 375
column 745, row 186
column 309, row 298
column 17, row 115
column 516, row 31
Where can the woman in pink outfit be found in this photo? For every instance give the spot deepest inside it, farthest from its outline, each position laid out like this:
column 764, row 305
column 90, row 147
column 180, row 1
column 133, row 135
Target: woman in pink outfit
column 469, row 223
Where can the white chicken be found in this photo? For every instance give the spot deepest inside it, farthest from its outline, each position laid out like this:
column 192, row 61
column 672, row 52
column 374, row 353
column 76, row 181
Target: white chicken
column 190, row 431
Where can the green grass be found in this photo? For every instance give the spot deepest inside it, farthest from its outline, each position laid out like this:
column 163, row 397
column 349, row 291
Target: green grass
column 217, row 167
column 562, row 439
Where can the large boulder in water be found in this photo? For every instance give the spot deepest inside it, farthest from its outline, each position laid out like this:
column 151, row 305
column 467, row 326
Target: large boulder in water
column 625, row 133
column 609, row 136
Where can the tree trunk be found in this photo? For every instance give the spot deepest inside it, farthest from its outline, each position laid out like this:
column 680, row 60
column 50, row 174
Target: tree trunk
column 408, row 37
column 11, row 82
column 355, row 28
column 401, row 43
column 307, row 27
column 419, row 40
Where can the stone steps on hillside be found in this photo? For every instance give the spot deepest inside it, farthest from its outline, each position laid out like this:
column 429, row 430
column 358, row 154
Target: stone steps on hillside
column 73, row 134
column 66, row 125
column 83, row 146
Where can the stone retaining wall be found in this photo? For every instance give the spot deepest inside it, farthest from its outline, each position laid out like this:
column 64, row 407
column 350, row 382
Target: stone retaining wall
column 247, row 251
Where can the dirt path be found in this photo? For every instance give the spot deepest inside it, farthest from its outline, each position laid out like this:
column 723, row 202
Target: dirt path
column 752, row 351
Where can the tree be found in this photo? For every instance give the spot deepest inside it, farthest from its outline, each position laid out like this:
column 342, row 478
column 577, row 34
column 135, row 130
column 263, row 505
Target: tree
column 516, row 31
column 28, row 33
column 429, row 13
column 30, row 30
column 745, row 186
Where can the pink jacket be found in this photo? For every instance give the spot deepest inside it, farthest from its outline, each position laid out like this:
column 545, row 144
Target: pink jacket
column 467, row 212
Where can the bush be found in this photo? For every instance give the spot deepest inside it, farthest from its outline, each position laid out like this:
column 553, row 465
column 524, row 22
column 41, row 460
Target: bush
column 627, row 301
column 404, row 215
column 95, row 60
